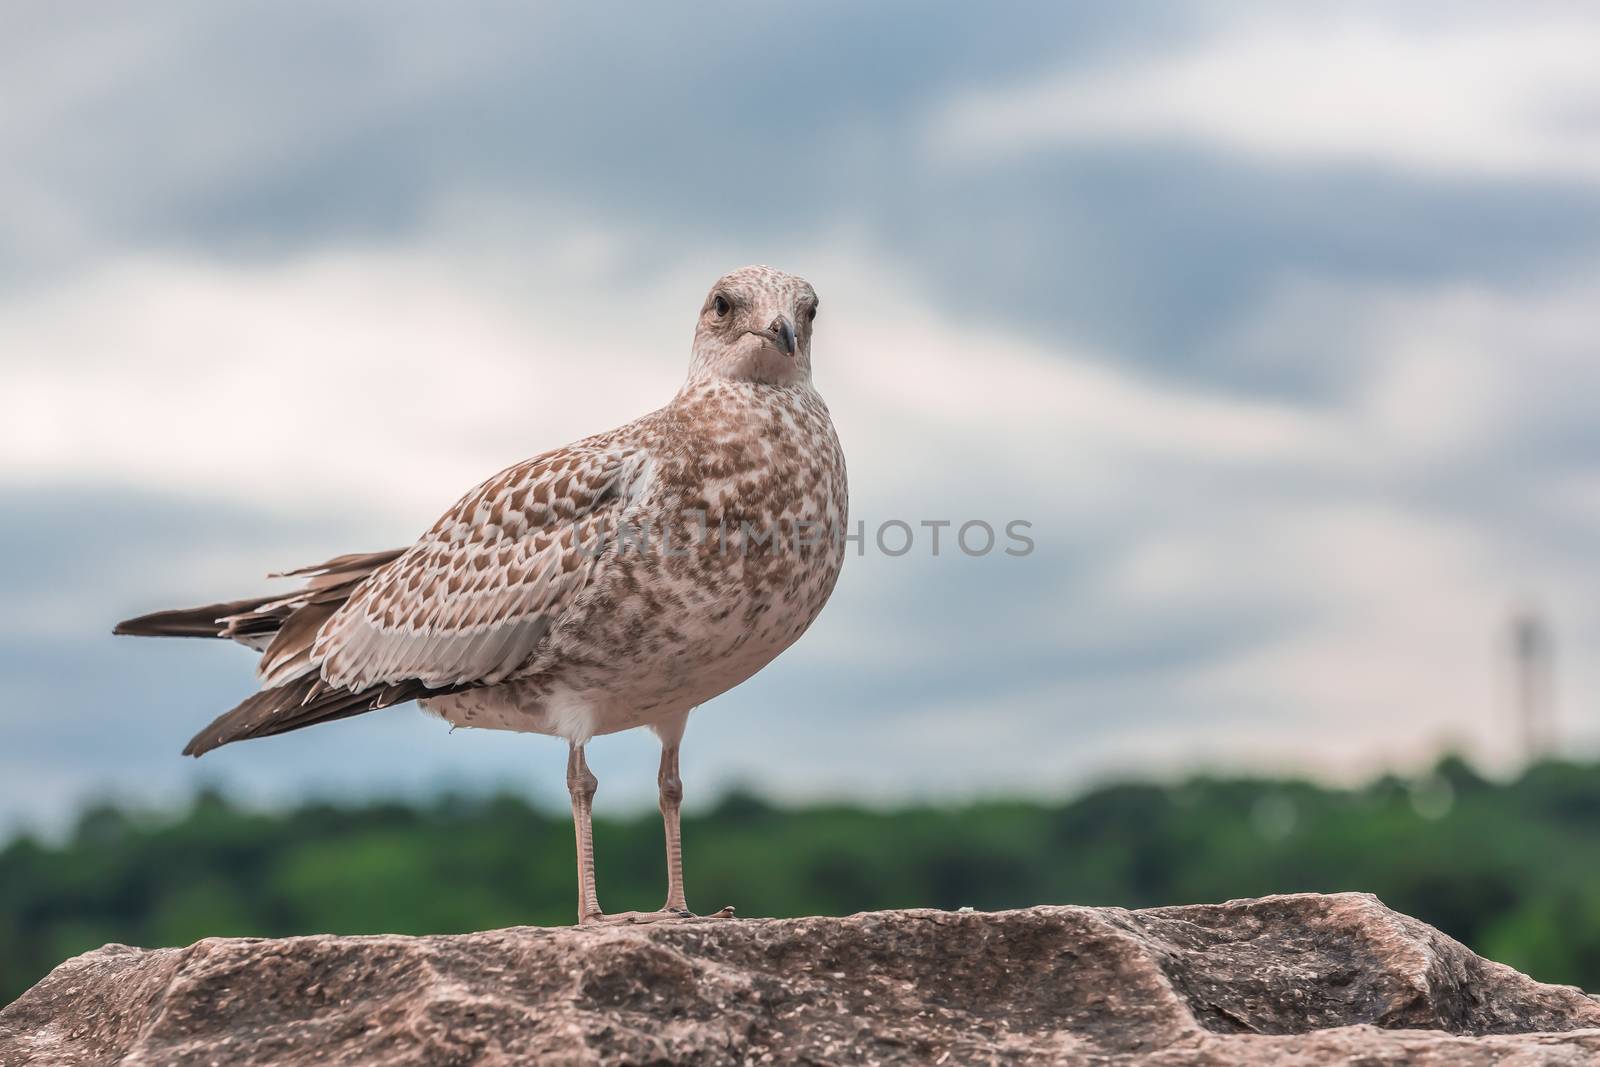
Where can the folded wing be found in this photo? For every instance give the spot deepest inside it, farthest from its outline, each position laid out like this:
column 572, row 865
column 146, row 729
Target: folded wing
column 470, row 601
column 466, row 606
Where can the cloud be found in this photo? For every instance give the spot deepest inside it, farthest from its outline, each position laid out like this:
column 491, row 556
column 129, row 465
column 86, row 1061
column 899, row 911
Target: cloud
column 1295, row 389
column 263, row 128
column 372, row 375
column 255, row 133
column 1326, row 587
column 341, row 377
column 1494, row 98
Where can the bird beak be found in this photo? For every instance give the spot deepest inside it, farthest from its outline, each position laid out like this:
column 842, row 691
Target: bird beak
column 781, row 334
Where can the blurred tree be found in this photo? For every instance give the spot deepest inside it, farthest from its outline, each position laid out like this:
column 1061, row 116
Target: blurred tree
column 1512, row 869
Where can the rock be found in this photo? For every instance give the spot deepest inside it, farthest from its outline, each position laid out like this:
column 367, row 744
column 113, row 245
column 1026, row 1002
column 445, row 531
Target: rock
column 1303, row 979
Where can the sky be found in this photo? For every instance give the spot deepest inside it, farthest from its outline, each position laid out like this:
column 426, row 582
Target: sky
column 1280, row 325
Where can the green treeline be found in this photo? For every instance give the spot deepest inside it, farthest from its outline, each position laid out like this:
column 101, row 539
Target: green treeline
column 1512, row 869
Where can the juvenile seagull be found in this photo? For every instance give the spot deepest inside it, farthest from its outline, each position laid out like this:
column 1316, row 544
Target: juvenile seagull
column 614, row 583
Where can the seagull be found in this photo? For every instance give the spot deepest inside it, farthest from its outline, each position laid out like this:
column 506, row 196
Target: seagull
column 618, row 582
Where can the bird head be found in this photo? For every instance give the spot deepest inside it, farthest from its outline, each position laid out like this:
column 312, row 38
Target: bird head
column 755, row 325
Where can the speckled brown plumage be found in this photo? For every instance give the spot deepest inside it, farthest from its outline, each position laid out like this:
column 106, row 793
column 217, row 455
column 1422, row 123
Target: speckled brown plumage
column 616, row 582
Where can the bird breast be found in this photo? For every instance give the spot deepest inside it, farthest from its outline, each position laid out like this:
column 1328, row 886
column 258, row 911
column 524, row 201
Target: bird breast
column 727, row 559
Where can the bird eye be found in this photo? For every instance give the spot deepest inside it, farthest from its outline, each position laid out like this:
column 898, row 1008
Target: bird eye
column 720, row 305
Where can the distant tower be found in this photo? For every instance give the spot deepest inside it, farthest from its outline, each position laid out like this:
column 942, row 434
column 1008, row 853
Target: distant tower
column 1531, row 656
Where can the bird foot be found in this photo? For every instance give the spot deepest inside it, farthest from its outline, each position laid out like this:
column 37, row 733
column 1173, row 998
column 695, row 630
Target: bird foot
column 632, row 918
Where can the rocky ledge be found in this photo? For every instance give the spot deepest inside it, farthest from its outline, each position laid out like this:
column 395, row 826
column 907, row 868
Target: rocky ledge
column 1301, row 979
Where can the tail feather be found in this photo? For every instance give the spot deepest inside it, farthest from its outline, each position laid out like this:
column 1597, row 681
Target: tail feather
column 296, row 705
column 289, row 654
column 284, row 628
column 209, row 620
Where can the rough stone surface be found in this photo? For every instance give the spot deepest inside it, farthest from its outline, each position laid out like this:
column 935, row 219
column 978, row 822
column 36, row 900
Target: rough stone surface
column 1301, row 979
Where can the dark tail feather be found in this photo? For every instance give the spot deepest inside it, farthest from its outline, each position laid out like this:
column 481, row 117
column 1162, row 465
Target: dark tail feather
column 190, row 622
column 284, row 627
column 253, row 622
column 296, row 705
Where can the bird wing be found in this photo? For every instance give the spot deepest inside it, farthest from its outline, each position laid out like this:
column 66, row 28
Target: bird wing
column 469, row 602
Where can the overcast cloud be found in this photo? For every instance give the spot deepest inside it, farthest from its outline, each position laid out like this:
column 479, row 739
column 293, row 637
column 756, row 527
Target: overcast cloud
column 1280, row 328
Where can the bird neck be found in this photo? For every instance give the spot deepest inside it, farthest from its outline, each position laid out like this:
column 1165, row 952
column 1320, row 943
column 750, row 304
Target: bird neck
column 755, row 366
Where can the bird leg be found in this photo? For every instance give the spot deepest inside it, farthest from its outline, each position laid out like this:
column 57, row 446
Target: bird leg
column 676, row 907
column 581, row 783
column 671, row 787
